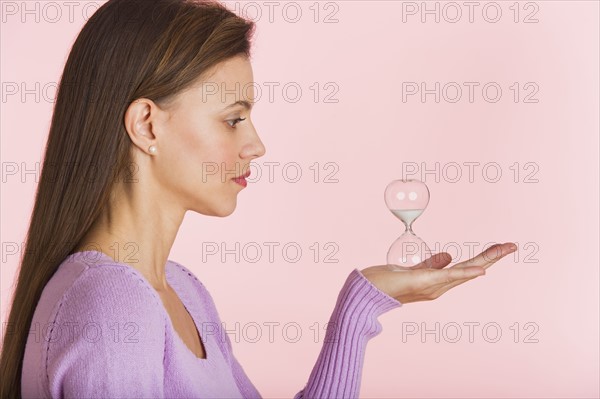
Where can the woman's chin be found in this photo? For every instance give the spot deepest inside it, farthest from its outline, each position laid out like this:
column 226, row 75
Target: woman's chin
column 220, row 207
column 221, row 211
column 226, row 213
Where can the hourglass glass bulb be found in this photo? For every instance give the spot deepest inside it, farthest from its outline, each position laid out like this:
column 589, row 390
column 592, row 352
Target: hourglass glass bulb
column 407, row 199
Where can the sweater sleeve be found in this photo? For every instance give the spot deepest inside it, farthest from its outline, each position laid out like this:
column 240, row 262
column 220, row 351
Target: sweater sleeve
column 338, row 370
column 107, row 338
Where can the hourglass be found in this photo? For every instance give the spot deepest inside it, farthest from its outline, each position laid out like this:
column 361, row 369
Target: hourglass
column 407, row 199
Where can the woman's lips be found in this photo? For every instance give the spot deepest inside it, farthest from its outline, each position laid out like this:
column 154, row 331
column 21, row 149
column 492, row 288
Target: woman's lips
column 241, row 180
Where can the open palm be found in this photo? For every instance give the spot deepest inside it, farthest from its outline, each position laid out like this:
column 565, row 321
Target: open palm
column 428, row 280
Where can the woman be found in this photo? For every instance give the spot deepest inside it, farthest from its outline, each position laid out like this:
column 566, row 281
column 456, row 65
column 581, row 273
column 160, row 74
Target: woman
column 142, row 132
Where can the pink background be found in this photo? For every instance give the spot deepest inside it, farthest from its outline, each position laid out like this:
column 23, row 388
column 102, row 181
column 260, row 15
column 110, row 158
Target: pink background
column 369, row 136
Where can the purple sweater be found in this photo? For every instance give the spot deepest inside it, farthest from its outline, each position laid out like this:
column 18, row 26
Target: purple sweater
column 101, row 330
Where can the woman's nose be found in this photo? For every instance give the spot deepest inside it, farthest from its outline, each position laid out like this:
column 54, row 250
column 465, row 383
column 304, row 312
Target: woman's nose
column 257, row 147
column 261, row 150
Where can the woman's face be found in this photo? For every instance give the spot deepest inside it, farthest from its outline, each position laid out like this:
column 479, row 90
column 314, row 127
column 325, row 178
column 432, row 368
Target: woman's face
column 205, row 138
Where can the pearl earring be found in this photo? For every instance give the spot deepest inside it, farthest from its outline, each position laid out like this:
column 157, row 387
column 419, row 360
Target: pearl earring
column 152, row 149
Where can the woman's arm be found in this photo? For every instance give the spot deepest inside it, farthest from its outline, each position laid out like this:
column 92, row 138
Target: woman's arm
column 366, row 295
column 338, row 370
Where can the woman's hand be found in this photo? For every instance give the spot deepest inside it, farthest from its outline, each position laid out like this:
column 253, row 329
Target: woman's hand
column 429, row 279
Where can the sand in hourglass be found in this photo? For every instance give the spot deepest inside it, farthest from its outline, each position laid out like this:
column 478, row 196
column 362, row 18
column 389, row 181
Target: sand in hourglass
column 407, row 215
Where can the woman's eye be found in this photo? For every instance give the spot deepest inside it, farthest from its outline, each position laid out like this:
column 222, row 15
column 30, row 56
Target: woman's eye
column 235, row 121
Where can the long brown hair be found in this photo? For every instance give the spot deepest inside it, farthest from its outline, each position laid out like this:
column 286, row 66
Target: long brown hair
column 128, row 49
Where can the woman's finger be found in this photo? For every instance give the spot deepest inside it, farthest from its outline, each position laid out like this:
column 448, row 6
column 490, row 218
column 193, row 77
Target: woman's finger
column 488, row 257
column 482, row 261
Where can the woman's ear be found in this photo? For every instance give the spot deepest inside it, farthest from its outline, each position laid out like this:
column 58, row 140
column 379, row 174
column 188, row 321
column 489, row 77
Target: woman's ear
column 139, row 120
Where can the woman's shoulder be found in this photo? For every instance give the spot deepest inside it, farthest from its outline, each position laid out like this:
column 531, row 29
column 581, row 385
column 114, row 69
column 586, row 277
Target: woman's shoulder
column 100, row 303
column 97, row 285
column 105, row 318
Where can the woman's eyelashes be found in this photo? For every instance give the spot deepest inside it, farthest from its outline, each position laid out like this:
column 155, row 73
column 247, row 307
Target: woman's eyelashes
column 235, row 122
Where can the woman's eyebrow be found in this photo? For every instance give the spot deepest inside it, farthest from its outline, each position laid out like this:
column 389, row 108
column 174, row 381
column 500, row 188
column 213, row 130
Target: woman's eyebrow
column 246, row 104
